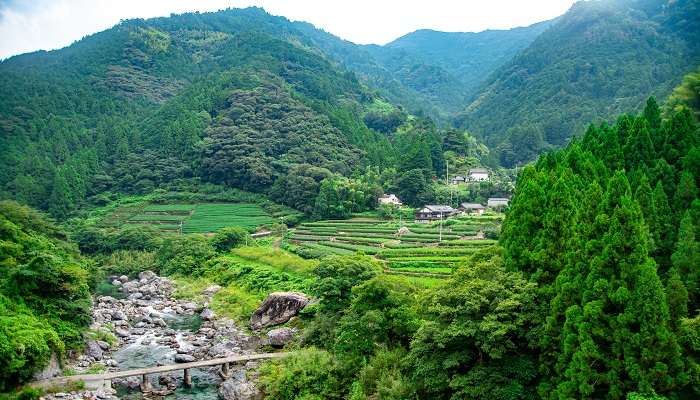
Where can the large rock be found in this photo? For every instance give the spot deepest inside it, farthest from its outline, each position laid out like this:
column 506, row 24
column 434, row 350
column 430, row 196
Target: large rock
column 280, row 337
column 239, row 388
column 93, row 350
column 184, row 358
column 277, row 309
column 207, row 315
column 146, row 275
column 51, row 370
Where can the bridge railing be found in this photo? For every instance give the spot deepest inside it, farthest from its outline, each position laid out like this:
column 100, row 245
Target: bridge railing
column 94, row 381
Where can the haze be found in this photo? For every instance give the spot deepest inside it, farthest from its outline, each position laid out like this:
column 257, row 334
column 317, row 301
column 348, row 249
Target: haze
column 27, row 26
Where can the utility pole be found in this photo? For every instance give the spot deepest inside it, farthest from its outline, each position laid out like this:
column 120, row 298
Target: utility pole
column 440, row 240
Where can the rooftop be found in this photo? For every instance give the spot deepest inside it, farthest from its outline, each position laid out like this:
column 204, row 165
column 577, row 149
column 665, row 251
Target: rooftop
column 478, row 171
column 472, row 206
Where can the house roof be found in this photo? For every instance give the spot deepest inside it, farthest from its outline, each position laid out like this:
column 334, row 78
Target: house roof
column 388, row 196
column 458, row 178
column 478, row 171
column 439, row 208
column 472, row 206
column 498, row 199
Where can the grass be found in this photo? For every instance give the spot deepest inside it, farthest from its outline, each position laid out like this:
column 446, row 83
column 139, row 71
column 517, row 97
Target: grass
column 212, row 217
column 277, row 258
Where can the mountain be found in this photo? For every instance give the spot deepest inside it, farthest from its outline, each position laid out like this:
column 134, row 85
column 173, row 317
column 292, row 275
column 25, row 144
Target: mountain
column 467, row 57
column 232, row 97
column 599, row 59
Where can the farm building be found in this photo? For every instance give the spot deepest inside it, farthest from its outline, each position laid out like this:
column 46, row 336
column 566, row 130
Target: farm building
column 459, row 179
column 478, row 174
column 389, row 199
column 472, row 208
column 434, row 213
column 497, row 202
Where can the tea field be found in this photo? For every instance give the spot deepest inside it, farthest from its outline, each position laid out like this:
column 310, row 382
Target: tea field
column 403, row 247
column 193, row 218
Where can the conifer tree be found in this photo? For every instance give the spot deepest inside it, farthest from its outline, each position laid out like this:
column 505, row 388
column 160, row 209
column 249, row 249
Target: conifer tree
column 686, row 260
column 663, row 231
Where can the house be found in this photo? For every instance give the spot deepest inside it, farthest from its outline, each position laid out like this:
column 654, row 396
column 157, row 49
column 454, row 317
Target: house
column 389, row 199
column 434, row 212
column 459, row 179
column 497, row 202
column 478, row 175
column 472, row 208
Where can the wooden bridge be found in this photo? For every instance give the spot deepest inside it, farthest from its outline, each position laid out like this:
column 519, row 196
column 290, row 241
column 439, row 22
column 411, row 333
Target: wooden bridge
column 97, row 381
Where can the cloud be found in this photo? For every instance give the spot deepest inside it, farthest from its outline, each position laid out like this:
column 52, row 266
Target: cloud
column 49, row 24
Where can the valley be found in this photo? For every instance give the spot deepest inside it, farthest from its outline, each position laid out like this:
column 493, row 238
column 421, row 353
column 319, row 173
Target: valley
column 505, row 214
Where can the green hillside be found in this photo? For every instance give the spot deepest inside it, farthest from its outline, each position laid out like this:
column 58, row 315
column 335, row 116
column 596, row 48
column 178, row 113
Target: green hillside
column 599, row 59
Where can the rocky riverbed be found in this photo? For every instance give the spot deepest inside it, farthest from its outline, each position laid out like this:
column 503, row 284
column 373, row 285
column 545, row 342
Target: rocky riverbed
column 152, row 328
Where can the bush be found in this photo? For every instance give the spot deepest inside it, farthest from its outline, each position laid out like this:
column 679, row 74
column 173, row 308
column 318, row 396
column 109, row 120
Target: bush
column 227, row 238
column 26, row 343
column 130, row 262
column 306, row 374
column 184, row 254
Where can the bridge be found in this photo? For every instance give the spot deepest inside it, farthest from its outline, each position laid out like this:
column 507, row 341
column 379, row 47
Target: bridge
column 97, row 381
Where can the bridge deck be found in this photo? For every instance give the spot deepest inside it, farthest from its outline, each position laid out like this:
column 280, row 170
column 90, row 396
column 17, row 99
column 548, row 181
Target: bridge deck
column 154, row 370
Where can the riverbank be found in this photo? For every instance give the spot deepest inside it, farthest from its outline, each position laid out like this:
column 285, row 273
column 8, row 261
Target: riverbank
column 143, row 325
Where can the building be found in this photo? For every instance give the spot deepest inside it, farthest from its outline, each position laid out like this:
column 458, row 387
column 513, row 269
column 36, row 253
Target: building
column 389, row 199
column 472, row 208
column 478, row 175
column 434, row 212
column 497, row 202
column 459, row 179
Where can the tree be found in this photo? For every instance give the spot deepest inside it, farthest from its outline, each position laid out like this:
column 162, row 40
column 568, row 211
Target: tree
column 663, row 230
column 413, row 187
column 686, row 260
column 227, row 238
column 472, row 343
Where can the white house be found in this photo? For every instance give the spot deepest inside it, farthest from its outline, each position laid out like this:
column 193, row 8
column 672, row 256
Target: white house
column 390, row 199
column 497, row 202
column 434, row 213
column 478, row 174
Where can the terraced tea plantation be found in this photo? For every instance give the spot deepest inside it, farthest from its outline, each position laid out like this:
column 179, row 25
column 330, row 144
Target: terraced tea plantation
column 407, row 248
column 199, row 218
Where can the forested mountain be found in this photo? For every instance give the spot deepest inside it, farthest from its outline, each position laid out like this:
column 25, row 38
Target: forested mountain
column 464, row 59
column 154, row 101
column 599, row 59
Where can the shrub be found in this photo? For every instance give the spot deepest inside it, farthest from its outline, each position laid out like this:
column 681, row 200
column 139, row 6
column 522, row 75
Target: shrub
column 130, row 262
column 184, row 254
column 306, row 374
column 227, row 238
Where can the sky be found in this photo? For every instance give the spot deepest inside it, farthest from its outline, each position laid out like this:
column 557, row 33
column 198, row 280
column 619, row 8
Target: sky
column 29, row 25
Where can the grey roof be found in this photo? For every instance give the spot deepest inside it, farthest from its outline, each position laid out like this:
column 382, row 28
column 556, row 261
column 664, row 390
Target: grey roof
column 439, row 208
column 498, row 199
column 478, row 171
column 458, row 178
column 472, row 206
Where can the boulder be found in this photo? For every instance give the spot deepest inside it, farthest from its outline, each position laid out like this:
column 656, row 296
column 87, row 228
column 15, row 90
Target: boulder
column 116, row 282
column 184, row 358
column 146, row 275
column 51, row 370
column 118, row 316
column 121, row 332
column 280, row 337
column 207, row 314
column 124, row 278
column 103, row 345
column 277, row 309
column 93, row 349
column 211, row 290
column 239, row 388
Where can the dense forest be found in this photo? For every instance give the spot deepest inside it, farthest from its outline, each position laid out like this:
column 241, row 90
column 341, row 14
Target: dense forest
column 144, row 157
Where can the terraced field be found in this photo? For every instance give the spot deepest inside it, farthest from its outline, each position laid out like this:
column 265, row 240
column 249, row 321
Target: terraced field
column 197, row 218
column 405, row 248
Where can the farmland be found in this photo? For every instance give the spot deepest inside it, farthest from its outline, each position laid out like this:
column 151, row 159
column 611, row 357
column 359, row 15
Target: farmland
column 192, row 218
column 403, row 247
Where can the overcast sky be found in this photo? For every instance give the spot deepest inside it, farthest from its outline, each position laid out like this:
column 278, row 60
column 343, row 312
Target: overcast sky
column 29, row 25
